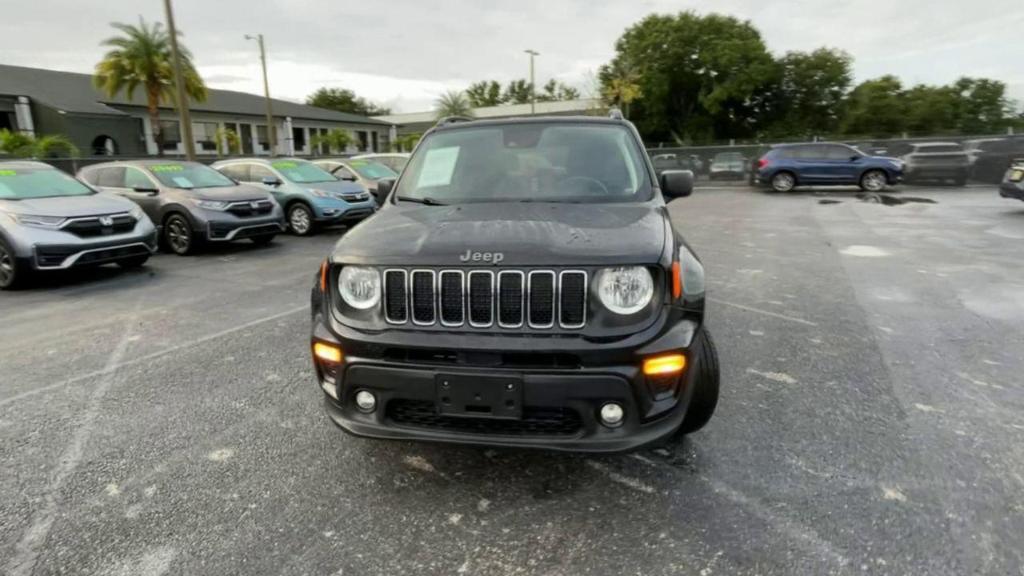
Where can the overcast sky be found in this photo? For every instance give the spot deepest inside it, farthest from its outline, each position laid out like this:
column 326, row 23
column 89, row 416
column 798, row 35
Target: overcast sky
column 403, row 53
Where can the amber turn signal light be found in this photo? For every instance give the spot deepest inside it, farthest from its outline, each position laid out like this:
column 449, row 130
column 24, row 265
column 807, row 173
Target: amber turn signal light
column 326, row 352
column 677, row 280
column 665, row 364
column 323, row 277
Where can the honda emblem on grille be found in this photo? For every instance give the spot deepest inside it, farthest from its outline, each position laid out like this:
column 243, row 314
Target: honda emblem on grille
column 106, row 221
column 254, row 205
column 493, row 257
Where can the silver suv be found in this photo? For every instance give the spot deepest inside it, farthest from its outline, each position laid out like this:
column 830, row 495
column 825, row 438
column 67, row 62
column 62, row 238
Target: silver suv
column 50, row 221
column 191, row 203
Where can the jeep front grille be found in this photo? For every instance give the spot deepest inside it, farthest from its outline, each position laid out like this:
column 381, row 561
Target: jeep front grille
column 510, row 299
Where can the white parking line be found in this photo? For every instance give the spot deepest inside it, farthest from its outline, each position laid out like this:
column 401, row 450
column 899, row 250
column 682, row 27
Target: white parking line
column 765, row 312
column 113, row 367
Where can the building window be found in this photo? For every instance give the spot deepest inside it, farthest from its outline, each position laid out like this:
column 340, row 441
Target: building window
column 363, row 138
column 375, row 147
column 261, row 136
column 171, row 131
column 299, row 138
column 205, row 134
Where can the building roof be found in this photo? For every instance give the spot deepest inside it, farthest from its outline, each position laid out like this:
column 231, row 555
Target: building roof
column 74, row 93
column 560, row 107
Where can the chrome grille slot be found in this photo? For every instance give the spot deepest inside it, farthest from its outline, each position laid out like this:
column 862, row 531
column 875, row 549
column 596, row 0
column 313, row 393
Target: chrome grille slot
column 452, row 296
column 510, row 298
column 538, row 299
column 481, row 298
column 423, row 297
column 396, row 296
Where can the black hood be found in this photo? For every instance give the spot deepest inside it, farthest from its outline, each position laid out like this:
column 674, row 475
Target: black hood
column 526, row 234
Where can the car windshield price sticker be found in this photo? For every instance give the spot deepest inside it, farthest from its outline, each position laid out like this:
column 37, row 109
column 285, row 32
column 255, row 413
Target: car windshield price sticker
column 284, row 165
column 183, row 182
column 8, row 173
column 167, row 168
column 438, row 167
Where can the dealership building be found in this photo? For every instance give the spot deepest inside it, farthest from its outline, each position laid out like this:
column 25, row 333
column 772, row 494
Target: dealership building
column 41, row 102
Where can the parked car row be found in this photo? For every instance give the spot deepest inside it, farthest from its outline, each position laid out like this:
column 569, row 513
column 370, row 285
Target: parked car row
column 122, row 212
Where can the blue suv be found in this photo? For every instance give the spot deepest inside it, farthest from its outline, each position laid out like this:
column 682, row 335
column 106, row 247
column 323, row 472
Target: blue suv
column 824, row 164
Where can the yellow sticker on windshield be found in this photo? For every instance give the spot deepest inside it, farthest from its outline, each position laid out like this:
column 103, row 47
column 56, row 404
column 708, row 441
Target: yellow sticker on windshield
column 8, row 173
column 167, row 168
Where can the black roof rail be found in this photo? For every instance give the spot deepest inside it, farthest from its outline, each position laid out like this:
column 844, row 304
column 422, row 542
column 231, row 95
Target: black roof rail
column 453, row 120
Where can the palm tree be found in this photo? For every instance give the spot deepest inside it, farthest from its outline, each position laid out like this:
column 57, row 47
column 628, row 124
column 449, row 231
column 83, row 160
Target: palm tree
column 142, row 58
column 621, row 85
column 453, row 103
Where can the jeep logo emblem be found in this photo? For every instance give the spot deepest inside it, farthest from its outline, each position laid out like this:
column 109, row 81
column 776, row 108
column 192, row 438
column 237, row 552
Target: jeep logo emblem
column 490, row 257
column 106, row 221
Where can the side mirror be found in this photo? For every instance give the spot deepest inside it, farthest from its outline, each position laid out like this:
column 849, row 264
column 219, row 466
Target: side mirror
column 854, row 158
column 346, row 177
column 146, row 190
column 271, row 181
column 384, row 186
column 676, row 184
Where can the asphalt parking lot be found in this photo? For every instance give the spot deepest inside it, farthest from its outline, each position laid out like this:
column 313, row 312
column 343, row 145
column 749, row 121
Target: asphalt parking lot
column 166, row 421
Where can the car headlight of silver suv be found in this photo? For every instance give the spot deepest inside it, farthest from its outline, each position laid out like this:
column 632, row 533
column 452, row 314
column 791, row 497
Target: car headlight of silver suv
column 217, row 205
column 625, row 290
column 359, row 287
column 38, row 221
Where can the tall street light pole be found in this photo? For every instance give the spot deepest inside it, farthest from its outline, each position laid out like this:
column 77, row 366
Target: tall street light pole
column 179, row 85
column 271, row 130
column 533, row 88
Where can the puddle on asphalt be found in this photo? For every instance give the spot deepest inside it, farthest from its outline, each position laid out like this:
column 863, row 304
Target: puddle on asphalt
column 886, row 199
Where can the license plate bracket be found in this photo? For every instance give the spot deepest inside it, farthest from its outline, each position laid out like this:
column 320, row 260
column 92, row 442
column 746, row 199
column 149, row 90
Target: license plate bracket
column 480, row 396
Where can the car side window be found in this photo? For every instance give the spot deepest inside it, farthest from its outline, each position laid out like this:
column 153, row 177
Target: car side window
column 258, row 172
column 91, row 177
column 808, row 152
column 134, row 178
column 239, row 172
column 839, row 153
column 112, row 177
column 342, row 172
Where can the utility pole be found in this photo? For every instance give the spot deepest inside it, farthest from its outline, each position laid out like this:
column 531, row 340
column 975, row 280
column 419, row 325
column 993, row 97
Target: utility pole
column 533, row 87
column 271, row 130
column 184, row 118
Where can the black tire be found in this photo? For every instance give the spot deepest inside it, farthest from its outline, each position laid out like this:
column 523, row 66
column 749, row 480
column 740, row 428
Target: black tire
column 178, row 235
column 783, row 182
column 133, row 262
column 873, row 181
column 13, row 274
column 705, row 382
column 300, row 219
column 263, row 240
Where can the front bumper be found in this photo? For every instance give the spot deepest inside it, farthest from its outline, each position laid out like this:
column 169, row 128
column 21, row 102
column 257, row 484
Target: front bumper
column 561, row 401
column 238, row 229
column 1012, row 190
column 342, row 211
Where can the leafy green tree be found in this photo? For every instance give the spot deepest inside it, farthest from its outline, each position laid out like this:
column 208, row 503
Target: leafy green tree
column 406, row 143
column 228, row 142
column 485, row 93
column 453, row 103
column 518, row 92
column 336, row 140
column 141, row 58
column 876, row 108
column 555, row 91
column 620, row 86
column 700, row 77
column 983, row 105
column 811, row 92
column 22, row 145
column 344, row 100
column 931, row 109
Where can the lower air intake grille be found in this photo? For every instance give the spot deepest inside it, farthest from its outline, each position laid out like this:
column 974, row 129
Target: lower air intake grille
column 535, row 421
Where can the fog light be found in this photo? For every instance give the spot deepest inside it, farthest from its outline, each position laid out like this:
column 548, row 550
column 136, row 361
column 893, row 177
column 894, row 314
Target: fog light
column 326, row 352
column 665, row 364
column 366, row 401
column 611, row 414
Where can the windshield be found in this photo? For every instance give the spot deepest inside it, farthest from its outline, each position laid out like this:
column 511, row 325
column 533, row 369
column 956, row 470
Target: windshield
column 302, row 172
column 189, row 175
column 542, row 162
column 20, row 183
column 372, row 170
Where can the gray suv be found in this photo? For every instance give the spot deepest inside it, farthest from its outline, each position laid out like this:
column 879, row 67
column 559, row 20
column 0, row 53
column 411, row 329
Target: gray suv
column 191, row 203
column 50, row 221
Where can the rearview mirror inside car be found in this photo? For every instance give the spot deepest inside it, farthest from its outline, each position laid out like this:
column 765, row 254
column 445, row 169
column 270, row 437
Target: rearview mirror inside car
column 676, row 183
column 271, row 181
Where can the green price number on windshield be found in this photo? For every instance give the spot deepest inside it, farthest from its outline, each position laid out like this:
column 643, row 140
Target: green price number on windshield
column 284, row 164
column 168, row 168
column 8, row 173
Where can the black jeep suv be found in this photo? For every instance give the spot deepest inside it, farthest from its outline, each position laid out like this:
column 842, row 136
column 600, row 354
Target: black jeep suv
column 522, row 285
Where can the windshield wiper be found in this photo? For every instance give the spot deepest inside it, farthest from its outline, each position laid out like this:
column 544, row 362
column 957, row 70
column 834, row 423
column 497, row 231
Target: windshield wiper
column 427, row 200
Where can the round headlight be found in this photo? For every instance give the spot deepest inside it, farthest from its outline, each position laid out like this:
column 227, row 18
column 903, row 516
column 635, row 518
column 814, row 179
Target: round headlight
column 359, row 287
column 625, row 290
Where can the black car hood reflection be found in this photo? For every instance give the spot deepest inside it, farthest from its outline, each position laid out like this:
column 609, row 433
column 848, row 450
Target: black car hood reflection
column 526, row 234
